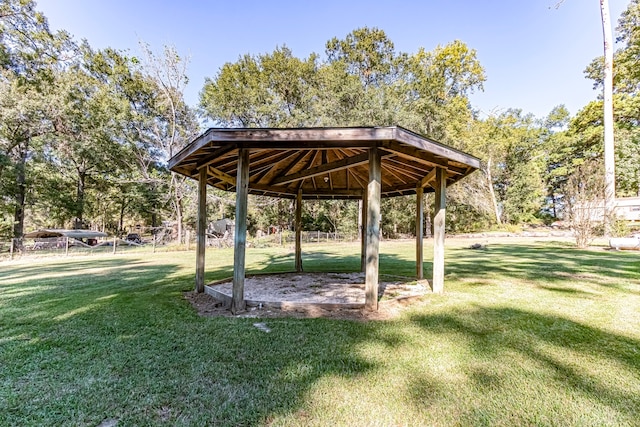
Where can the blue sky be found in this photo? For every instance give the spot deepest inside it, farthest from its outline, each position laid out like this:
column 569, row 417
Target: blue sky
column 533, row 53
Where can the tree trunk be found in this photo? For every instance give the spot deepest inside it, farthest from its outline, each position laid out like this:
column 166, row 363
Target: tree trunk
column 609, row 160
column 82, row 176
column 179, row 219
column 177, row 204
column 492, row 192
column 123, row 207
column 21, row 181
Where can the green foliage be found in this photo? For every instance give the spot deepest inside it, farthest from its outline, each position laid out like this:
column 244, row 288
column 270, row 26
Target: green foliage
column 626, row 76
column 86, row 133
column 398, row 216
column 620, row 228
column 626, row 105
column 362, row 82
column 29, row 54
column 367, row 53
column 267, row 90
column 511, row 145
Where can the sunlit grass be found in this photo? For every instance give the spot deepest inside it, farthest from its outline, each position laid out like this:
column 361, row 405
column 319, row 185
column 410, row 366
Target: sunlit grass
column 527, row 333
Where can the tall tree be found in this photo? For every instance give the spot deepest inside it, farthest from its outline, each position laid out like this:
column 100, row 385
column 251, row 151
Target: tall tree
column 260, row 91
column 175, row 123
column 362, row 81
column 88, row 141
column 23, row 119
column 368, row 54
column 29, row 53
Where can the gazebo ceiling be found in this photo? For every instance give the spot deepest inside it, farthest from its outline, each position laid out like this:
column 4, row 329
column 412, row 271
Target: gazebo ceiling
column 325, row 163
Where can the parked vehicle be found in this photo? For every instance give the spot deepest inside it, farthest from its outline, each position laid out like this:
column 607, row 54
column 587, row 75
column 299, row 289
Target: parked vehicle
column 134, row 238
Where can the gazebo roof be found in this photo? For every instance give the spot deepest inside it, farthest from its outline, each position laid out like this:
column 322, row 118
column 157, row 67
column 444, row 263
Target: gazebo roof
column 324, row 163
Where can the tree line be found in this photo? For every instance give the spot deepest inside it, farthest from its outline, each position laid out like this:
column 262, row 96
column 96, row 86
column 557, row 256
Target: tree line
column 85, row 134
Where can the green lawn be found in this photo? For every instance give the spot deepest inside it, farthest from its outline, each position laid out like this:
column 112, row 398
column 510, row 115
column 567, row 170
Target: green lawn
column 527, row 333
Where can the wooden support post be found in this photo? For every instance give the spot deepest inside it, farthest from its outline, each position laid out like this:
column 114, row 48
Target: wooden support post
column 240, row 239
column 11, row 248
column 115, row 243
column 299, row 231
column 438, row 230
column 201, row 229
column 66, row 246
column 419, row 232
column 363, row 231
column 373, row 230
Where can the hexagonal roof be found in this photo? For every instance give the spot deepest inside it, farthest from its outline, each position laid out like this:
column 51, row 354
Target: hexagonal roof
column 325, row 163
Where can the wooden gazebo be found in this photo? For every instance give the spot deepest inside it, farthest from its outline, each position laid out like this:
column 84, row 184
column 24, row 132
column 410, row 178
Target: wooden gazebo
column 324, row 163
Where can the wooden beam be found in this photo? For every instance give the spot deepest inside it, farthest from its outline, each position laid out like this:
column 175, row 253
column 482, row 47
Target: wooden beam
column 299, row 231
column 423, row 143
column 292, row 164
column 324, row 168
column 272, row 162
column 358, row 179
column 270, row 157
column 392, row 172
column 438, row 231
column 405, row 174
column 240, row 238
column 428, row 179
column 363, row 229
column 268, row 165
column 224, row 177
column 419, row 232
column 412, row 153
column 202, row 228
column 214, row 156
column 373, row 230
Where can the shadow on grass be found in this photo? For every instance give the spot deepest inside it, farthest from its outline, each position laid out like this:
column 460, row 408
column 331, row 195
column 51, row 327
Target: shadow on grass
column 121, row 343
column 553, row 263
column 535, row 354
column 331, row 262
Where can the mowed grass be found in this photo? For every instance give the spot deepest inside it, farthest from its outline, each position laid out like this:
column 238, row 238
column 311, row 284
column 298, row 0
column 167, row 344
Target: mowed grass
column 527, row 333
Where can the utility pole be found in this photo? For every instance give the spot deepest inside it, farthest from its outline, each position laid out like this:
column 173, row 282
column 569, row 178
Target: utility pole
column 609, row 147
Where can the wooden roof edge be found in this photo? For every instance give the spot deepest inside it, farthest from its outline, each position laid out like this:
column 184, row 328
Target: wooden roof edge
column 325, row 134
column 234, row 135
column 196, row 144
column 418, row 141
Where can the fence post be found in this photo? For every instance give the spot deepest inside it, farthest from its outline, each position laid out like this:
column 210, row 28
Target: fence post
column 66, row 246
column 11, row 249
column 114, row 243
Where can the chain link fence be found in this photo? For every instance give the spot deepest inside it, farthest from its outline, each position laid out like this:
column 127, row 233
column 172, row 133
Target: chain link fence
column 159, row 242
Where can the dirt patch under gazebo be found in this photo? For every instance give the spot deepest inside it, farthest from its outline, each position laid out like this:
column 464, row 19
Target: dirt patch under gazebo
column 333, row 295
